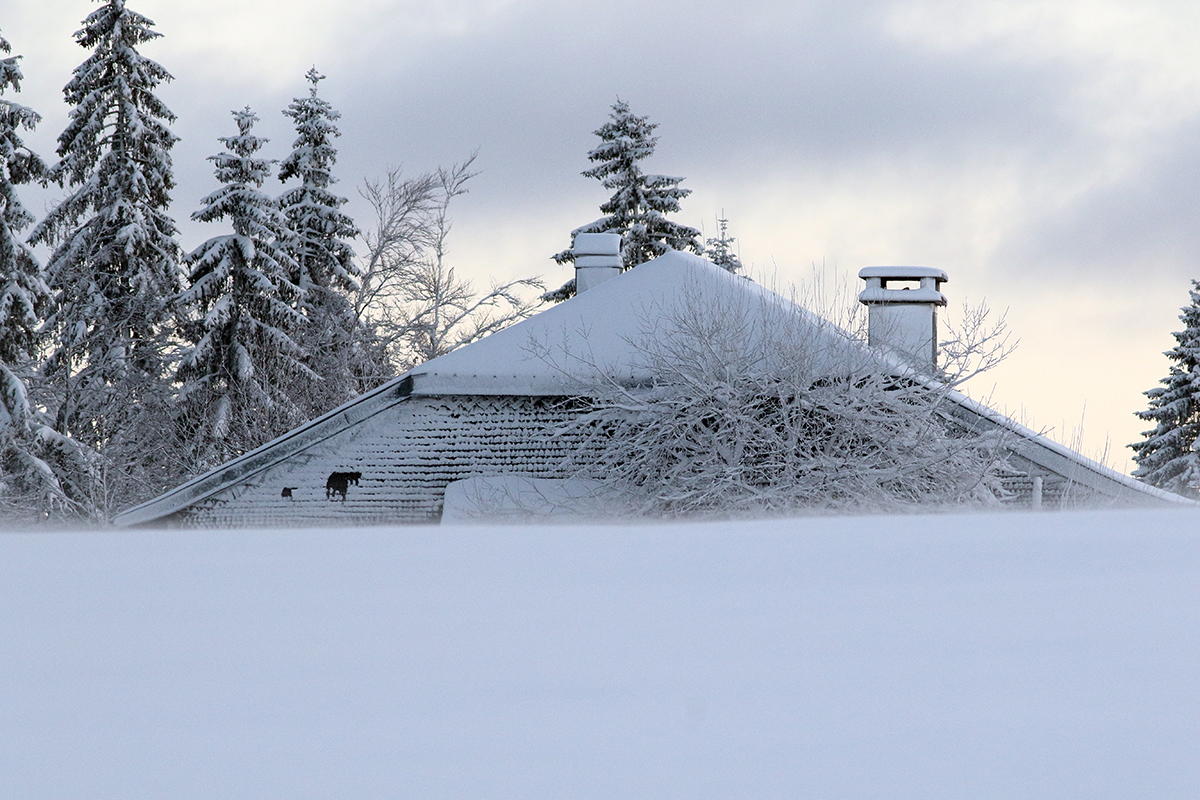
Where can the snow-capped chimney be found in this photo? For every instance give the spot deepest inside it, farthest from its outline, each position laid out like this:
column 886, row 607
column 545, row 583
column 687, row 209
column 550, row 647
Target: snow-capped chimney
column 904, row 318
column 597, row 259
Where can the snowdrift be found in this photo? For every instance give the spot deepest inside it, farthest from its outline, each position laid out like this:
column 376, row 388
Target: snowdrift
column 983, row 656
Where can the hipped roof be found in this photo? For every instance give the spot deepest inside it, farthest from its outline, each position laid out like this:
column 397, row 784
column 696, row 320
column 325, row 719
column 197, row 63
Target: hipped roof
column 597, row 335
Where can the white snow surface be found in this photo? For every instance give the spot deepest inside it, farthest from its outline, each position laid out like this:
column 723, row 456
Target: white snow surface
column 594, row 334
column 951, row 656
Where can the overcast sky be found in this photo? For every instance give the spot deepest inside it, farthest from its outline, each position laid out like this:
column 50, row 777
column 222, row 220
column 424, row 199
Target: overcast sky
column 1045, row 153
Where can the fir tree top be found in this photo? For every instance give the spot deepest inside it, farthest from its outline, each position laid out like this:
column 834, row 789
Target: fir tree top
column 325, row 258
column 253, row 213
column 640, row 202
column 313, row 154
column 625, row 140
column 253, row 251
column 116, row 149
column 719, row 249
column 112, row 89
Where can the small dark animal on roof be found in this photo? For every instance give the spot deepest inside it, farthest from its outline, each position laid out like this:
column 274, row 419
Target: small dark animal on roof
column 338, row 483
column 287, row 491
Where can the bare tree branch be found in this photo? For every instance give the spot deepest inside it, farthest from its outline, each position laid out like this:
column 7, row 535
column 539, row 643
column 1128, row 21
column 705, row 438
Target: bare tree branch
column 416, row 305
column 974, row 344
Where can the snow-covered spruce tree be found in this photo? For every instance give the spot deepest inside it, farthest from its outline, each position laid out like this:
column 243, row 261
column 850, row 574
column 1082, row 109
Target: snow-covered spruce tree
column 640, row 202
column 719, row 249
column 243, row 356
column 1166, row 457
column 42, row 473
column 326, row 273
column 115, row 262
column 756, row 408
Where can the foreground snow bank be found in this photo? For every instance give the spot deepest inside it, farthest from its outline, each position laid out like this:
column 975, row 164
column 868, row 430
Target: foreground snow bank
column 1048, row 656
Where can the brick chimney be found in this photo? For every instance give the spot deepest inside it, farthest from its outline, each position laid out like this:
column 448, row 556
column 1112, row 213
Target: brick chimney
column 597, row 259
column 902, row 305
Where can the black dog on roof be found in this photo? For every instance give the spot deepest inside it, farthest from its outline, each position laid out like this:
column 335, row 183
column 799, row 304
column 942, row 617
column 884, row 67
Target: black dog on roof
column 339, row 482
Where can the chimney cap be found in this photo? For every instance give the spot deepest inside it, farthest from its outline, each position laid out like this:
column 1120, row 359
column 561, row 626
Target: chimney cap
column 878, row 292
column 904, row 273
column 597, row 244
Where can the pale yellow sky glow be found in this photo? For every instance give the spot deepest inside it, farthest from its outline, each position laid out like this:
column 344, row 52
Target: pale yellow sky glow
column 1046, row 154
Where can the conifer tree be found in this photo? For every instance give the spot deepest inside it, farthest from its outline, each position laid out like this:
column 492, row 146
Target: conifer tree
column 23, row 293
column 115, row 263
column 1166, row 457
column 243, row 357
column 640, row 202
column 326, row 273
column 42, row 473
column 719, row 249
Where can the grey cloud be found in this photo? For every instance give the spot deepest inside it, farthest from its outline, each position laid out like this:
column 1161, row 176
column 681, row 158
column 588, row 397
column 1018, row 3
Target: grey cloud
column 819, row 89
column 1147, row 218
column 743, row 92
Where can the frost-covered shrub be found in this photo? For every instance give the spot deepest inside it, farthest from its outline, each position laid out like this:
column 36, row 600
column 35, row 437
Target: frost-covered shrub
column 757, row 407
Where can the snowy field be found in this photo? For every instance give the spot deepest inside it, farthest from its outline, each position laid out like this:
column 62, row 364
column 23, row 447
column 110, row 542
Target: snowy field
column 990, row 656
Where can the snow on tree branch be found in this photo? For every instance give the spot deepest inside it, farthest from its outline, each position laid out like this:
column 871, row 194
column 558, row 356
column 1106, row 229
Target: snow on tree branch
column 241, row 316
column 639, row 202
column 755, row 410
column 1167, row 456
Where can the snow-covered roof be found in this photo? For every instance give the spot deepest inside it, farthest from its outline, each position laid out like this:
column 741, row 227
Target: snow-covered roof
column 901, row 272
column 595, row 335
